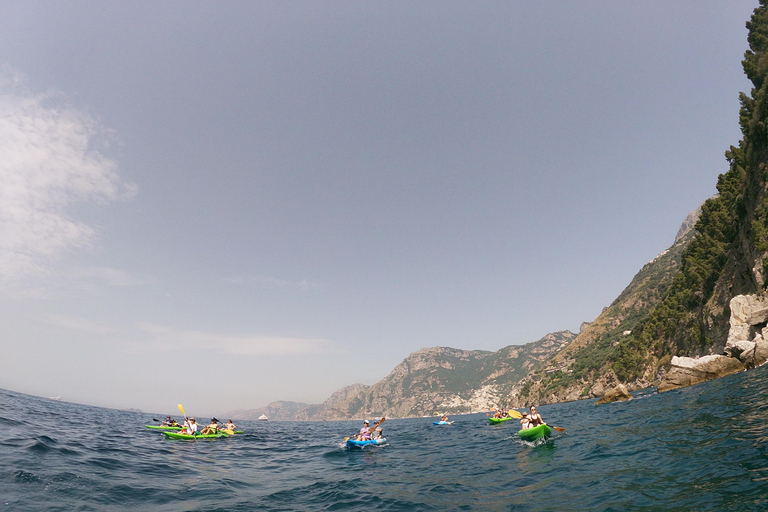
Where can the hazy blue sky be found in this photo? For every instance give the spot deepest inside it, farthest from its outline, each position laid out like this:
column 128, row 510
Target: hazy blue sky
column 228, row 203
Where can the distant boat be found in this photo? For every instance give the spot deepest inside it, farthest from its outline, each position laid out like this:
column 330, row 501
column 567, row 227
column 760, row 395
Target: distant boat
column 263, row 417
column 55, row 398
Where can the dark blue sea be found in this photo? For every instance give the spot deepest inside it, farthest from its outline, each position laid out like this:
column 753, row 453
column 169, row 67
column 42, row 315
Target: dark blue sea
column 702, row 448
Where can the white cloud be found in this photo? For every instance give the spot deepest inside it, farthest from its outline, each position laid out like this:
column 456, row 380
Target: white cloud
column 48, row 162
column 166, row 339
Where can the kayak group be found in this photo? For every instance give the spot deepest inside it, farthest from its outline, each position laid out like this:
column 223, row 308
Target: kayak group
column 531, row 424
column 189, row 429
column 190, row 426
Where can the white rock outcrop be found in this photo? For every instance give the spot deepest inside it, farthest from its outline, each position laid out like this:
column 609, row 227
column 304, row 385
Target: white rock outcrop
column 748, row 332
column 686, row 371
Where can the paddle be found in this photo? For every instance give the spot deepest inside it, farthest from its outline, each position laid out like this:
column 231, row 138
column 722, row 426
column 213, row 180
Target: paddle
column 181, row 408
column 370, row 429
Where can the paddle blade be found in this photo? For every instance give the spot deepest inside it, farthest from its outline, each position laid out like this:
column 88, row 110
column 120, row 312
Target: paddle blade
column 181, row 408
column 227, row 431
column 559, row 429
column 515, row 414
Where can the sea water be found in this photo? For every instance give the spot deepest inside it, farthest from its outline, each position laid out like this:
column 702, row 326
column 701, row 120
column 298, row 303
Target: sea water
column 702, row 448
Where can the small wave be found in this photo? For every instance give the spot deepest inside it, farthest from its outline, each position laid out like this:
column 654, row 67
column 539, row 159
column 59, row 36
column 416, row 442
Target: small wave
column 42, row 444
column 8, row 422
column 24, row 477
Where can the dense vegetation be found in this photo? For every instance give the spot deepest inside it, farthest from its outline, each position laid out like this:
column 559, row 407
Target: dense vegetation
column 731, row 238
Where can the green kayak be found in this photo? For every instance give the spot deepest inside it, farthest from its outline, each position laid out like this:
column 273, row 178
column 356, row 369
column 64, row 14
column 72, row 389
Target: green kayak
column 163, row 427
column 532, row 434
column 495, row 421
column 177, row 435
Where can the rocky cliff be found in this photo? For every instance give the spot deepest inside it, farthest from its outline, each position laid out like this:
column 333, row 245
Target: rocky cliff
column 442, row 379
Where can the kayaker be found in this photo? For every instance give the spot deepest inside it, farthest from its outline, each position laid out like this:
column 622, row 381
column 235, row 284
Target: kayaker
column 535, row 417
column 213, row 428
column 364, row 434
column 190, row 427
column 377, row 431
column 444, row 417
column 497, row 414
column 168, row 422
column 229, row 425
column 525, row 422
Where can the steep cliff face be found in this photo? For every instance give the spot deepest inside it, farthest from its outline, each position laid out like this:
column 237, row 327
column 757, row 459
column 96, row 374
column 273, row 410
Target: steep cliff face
column 727, row 256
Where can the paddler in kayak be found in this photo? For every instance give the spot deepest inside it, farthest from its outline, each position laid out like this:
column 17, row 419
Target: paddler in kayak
column 190, row 427
column 444, row 417
column 535, row 417
column 168, row 422
column 213, row 428
column 377, row 431
column 229, row 425
column 525, row 422
column 365, row 434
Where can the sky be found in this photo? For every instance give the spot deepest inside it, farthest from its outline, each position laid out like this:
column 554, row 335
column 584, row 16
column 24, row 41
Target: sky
column 224, row 204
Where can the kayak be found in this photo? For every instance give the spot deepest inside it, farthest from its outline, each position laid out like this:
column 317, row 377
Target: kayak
column 537, row 432
column 442, row 422
column 177, row 435
column 495, row 421
column 163, row 427
column 351, row 443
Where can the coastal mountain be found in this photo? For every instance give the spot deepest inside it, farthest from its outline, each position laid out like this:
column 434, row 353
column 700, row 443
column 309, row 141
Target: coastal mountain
column 431, row 380
column 442, row 379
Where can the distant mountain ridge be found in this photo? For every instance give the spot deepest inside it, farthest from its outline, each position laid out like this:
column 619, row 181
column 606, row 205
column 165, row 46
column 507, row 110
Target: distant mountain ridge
column 428, row 381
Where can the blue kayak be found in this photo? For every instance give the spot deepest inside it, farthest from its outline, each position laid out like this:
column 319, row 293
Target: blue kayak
column 442, row 423
column 351, row 443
